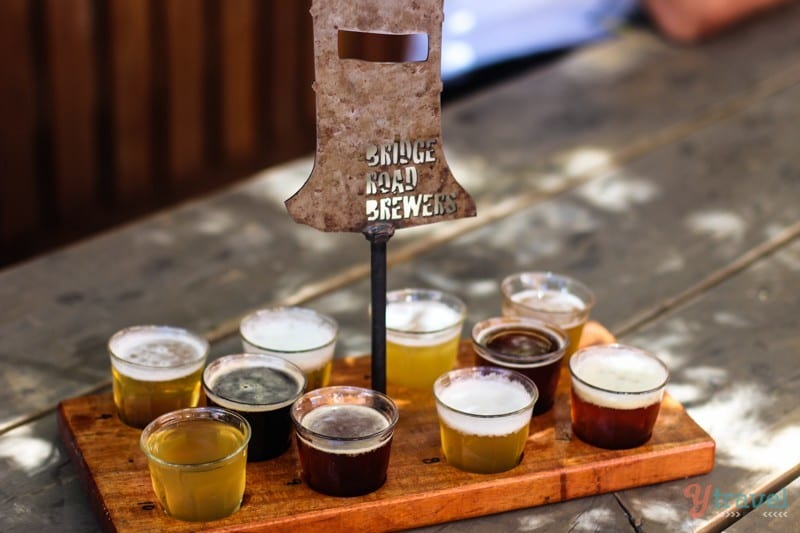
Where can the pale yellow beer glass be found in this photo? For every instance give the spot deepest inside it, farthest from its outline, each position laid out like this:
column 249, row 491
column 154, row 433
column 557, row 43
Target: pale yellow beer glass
column 155, row 369
column 484, row 415
column 197, row 459
column 423, row 330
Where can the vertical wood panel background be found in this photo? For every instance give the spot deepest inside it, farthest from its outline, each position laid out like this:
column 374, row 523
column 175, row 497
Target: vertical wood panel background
column 19, row 205
column 113, row 108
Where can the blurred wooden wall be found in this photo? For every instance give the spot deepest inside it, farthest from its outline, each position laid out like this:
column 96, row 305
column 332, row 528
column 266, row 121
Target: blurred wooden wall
column 113, row 108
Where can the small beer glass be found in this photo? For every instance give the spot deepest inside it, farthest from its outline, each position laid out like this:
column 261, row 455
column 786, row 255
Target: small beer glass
column 484, row 414
column 526, row 345
column 155, row 369
column 344, row 438
column 551, row 298
column 616, row 395
column 303, row 336
column 197, row 459
column 261, row 388
column 423, row 330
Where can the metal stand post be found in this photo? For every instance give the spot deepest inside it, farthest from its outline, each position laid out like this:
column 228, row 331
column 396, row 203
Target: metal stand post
column 377, row 235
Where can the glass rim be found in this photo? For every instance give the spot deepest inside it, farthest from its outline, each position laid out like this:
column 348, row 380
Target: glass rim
column 619, row 346
column 453, row 302
column 483, row 370
column 276, row 362
column 293, row 310
column 354, row 392
column 498, row 357
column 173, row 418
column 587, row 297
column 202, row 341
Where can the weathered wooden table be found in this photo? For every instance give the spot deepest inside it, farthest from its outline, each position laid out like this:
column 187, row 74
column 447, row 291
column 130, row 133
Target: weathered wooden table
column 667, row 178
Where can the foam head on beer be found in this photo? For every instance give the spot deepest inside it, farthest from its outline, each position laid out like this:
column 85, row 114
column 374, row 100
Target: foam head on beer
column 616, row 394
column 155, row 369
column 303, row 336
column 619, row 377
column 553, row 298
column 484, row 413
column 423, row 329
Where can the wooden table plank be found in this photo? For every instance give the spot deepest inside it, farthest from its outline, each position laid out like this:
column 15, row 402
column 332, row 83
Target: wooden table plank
column 777, row 518
column 733, row 357
column 39, row 489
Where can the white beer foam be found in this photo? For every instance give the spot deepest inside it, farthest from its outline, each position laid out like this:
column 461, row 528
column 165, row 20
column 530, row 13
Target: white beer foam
column 302, row 337
column 346, row 447
column 615, row 368
column 421, row 323
column 551, row 301
column 484, row 395
column 157, row 354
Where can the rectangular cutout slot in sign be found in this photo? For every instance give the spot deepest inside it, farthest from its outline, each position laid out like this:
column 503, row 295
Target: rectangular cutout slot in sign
column 383, row 47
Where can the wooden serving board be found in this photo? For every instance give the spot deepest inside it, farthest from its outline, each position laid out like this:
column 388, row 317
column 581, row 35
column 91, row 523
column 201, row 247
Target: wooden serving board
column 421, row 489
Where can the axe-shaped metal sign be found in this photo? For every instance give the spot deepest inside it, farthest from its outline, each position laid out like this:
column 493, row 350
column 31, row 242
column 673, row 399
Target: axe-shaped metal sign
column 379, row 163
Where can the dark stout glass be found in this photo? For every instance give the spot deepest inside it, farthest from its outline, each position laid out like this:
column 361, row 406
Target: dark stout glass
column 262, row 389
column 527, row 346
column 344, row 437
column 616, row 395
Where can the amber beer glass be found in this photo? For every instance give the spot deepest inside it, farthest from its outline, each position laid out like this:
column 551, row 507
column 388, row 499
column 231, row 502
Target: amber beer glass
column 344, row 438
column 423, row 330
column 155, row 369
column 261, row 388
column 552, row 298
column 197, row 459
column 303, row 336
column 484, row 414
column 616, row 395
column 527, row 346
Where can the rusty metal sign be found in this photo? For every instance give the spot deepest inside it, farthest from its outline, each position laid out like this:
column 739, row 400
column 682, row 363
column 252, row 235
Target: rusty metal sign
column 379, row 156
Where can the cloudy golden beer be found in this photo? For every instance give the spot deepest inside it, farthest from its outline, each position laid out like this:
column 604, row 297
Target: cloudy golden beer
column 552, row 298
column 484, row 414
column 616, row 395
column 302, row 336
column 423, row 330
column 155, row 369
column 197, row 459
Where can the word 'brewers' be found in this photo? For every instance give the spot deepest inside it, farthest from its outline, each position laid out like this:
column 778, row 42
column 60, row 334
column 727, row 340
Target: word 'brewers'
column 344, row 438
column 400, row 178
column 484, row 414
column 423, row 328
column 616, row 395
column 155, row 369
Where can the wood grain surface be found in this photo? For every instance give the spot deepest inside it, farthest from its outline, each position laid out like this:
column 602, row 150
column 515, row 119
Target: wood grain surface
column 421, row 488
